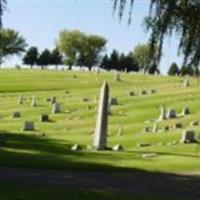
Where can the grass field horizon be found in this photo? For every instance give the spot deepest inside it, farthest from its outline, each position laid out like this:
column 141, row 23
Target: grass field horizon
column 48, row 147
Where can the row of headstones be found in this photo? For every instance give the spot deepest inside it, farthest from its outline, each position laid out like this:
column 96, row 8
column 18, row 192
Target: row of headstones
column 171, row 113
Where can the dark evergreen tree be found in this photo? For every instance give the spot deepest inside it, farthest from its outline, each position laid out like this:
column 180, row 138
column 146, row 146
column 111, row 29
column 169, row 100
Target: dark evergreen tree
column 173, row 70
column 31, row 57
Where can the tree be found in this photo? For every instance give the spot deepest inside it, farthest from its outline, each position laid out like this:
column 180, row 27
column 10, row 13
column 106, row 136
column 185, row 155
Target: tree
column 31, row 56
column 92, row 49
column 128, row 63
column 56, row 57
column 181, row 17
column 141, row 55
column 11, row 43
column 2, row 8
column 173, row 70
column 187, row 70
column 113, row 62
column 44, row 59
column 80, row 49
column 104, row 62
column 71, row 43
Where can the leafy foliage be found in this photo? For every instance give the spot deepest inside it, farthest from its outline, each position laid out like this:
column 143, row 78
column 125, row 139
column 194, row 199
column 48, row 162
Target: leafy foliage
column 2, row 7
column 31, row 56
column 173, row 70
column 11, row 43
column 181, row 17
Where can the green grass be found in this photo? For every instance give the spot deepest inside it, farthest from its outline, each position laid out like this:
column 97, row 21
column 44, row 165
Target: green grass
column 76, row 123
column 22, row 192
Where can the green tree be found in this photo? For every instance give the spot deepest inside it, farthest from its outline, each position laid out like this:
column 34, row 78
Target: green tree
column 71, row 43
column 104, row 62
column 187, row 70
column 141, row 54
column 113, row 62
column 180, row 17
column 11, row 43
column 81, row 49
column 31, row 57
column 2, row 8
column 56, row 57
column 91, row 54
column 173, row 70
column 44, row 59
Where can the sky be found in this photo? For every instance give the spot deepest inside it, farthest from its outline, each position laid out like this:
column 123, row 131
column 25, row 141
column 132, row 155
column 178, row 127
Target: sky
column 39, row 22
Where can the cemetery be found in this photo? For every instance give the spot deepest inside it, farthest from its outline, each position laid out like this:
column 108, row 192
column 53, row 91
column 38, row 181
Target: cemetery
column 100, row 100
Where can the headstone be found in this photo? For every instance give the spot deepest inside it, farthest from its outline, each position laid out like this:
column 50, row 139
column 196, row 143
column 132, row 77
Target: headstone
column 143, row 144
column 44, row 118
column 75, row 147
column 120, row 131
column 100, row 137
column 178, row 125
column 186, row 83
column 166, row 128
column 28, row 126
column 147, row 129
column 33, row 102
column 194, row 123
column 117, row 147
column 171, row 113
column 113, row 101
column 155, row 128
column 117, row 77
column 131, row 93
column 20, row 100
column 188, row 136
column 143, row 92
column 85, row 99
column 16, row 115
column 149, row 155
column 55, row 108
column 153, row 91
column 162, row 113
column 53, row 100
column 186, row 111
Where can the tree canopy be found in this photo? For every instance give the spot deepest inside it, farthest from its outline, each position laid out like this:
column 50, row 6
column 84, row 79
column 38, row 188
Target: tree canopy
column 2, row 8
column 165, row 18
column 11, row 43
column 79, row 48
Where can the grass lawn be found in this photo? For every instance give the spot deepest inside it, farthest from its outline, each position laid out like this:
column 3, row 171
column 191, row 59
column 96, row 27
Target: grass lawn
column 48, row 147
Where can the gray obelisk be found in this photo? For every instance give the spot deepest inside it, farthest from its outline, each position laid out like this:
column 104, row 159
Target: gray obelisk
column 100, row 138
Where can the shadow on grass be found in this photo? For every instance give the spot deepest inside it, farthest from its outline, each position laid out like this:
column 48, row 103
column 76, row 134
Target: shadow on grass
column 32, row 152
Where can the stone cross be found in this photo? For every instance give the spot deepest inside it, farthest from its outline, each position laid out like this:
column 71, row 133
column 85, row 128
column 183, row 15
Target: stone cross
column 100, row 137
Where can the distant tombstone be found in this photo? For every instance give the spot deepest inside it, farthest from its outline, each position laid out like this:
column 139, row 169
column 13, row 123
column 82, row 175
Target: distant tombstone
column 120, row 131
column 53, row 100
column 143, row 92
column 16, row 115
column 101, row 132
column 85, row 99
column 76, row 147
column 149, row 155
column 153, row 91
column 55, row 108
column 186, row 83
column 143, row 144
column 131, row 93
column 147, row 129
column 186, row 111
column 166, row 128
column 155, row 128
column 117, row 77
column 113, row 101
column 178, row 125
column 162, row 113
column 188, row 136
column 33, row 102
column 28, row 126
column 44, row 118
column 194, row 123
column 117, row 147
column 20, row 100
column 171, row 113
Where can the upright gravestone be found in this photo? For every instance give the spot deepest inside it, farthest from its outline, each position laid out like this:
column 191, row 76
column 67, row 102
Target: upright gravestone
column 186, row 83
column 33, row 102
column 188, row 136
column 186, row 111
column 28, row 126
column 20, row 100
column 53, row 100
column 171, row 113
column 55, row 108
column 162, row 113
column 100, row 137
column 117, row 77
